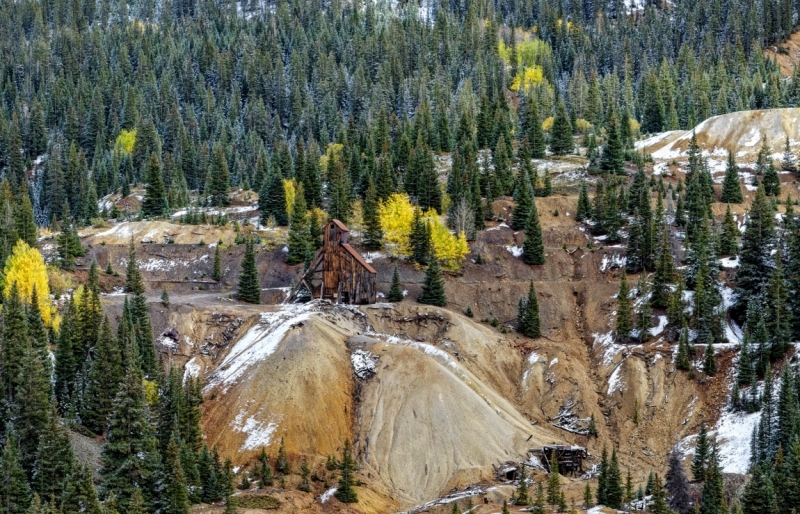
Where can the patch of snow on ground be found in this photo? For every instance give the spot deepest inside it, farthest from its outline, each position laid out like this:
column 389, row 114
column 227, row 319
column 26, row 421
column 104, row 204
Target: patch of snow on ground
column 121, row 230
column 259, row 342
column 191, row 369
column 662, row 324
column 515, row 250
column 729, row 262
column 733, row 333
column 363, row 363
column 157, row 265
column 259, row 433
column 733, row 433
column 604, row 344
column 370, row 256
column 327, row 495
column 498, row 227
column 612, row 261
column 614, row 382
column 728, row 296
column 533, row 358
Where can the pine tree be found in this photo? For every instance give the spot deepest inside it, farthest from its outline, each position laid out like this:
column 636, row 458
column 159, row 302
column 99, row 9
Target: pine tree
column 553, row 481
column 528, row 323
column 102, row 382
column 538, row 502
column 755, row 256
column 682, row 360
column 264, row 470
column 561, row 142
column 217, row 273
column 220, row 178
column 614, row 483
column 612, row 160
column 249, row 288
column 713, row 489
column 624, row 323
column 31, row 409
column 81, row 496
column 523, row 195
column 522, row 487
column 175, row 497
column 602, row 478
column 373, row 232
column 420, row 239
column 771, row 181
column 677, row 484
column 272, row 200
column 584, row 210
column 587, row 497
column 731, row 189
column 533, row 247
column 395, row 292
column 299, row 238
column 433, row 285
column 701, row 454
column 129, row 457
column 54, row 460
column 533, row 129
column 15, row 494
column 282, row 462
column 155, row 198
column 728, row 244
column 69, row 247
column 759, row 494
column 345, row 492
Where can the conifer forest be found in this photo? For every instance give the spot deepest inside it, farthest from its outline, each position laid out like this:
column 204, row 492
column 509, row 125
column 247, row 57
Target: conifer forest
column 578, row 219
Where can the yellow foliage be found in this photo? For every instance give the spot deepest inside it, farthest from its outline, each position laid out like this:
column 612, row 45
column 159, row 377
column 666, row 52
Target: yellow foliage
column 450, row 249
column 125, row 141
column 582, row 125
column 333, row 151
column 527, row 79
column 396, row 214
column 150, row 391
column 26, row 267
column 547, row 124
column 635, row 125
column 288, row 191
column 59, row 281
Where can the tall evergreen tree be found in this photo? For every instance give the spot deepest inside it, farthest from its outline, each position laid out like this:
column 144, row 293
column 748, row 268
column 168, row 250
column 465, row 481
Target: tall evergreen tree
column 433, row 286
column 249, row 287
column 533, row 247
column 677, row 484
column 561, row 142
column 15, row 494
column 395, row 292
column 624, row 323
column 528, row 323
column 373, row 232
column 81, row 496
column 755, row 257
column 155, row 198
column 345, row 492
column 731, row 189
column 299, row 238
column 701, row 454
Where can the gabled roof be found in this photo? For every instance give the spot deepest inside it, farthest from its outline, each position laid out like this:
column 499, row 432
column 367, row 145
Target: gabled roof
column 341, row 225
column 358, row 257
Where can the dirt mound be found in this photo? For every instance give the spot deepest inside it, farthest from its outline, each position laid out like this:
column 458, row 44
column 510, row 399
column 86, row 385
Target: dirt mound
column 742, row 132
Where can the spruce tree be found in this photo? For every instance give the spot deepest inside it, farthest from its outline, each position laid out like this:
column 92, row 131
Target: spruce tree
column 561, row 142
column 522, row 487
column 713, row 489
column 523, row 195
column 789, row 162
column 102, row 383
column 682, row 360
column 249, row 288
column 701, row 454
column 728, row 244
column 217, row 272
column 759, row 494
column 345, row 492
column 395, row 292
column 175, row 497
column 587, row 497
column 533, row 247
column 54, row 460
column 624, row 323
column 15, row 494
column 81, row 496
column 220, row 178
column 755, row 256
column 731, row 188
column 299, row 238
column 771, row 181
column 155, row 199
column 553, row 481
column 602, row 478
column 612, row 160
column 528, row 323
column 129, row 458
column 614, row 483
column 272, row 200
column 533, row 128
column 677, row 484
column 709, row 360
column 373, row 232
column 433, row 286
column 584, row 210
column 420, row 239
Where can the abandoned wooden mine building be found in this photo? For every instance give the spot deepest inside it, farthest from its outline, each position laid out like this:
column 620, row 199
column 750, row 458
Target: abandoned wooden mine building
column 337, row 272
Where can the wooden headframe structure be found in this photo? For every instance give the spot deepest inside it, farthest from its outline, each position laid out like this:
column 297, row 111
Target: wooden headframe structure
column 338, row 272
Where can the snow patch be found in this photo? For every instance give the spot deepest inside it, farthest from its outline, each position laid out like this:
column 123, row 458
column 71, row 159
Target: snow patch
column 191, row 369
column 615, row 381
column 612, row 261
column 327, row 495
column 259, row 342
column 259, row 433
column 363, row 363
column 515, row 250
column 733, row 433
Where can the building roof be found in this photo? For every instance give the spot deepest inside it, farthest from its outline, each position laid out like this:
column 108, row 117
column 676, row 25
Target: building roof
column 341, row 225
column 358, row 257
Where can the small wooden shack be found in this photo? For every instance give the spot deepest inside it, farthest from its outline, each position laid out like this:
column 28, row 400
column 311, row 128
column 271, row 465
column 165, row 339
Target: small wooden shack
column 337, row 272
column 569, row 458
